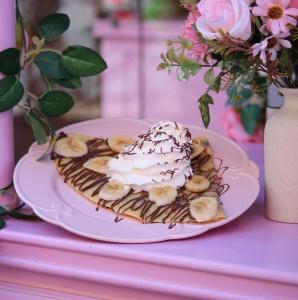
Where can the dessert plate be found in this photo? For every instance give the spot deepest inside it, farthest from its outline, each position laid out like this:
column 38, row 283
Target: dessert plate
column 38, row 185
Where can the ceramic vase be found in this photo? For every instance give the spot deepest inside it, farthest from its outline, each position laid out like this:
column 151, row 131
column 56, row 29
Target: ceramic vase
column 281, row 161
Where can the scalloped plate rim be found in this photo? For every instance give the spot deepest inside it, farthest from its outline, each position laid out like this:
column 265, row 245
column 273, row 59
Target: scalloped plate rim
column 170, row 236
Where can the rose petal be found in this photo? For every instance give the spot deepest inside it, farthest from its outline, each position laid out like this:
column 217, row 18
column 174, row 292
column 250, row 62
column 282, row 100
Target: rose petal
column 206, row 31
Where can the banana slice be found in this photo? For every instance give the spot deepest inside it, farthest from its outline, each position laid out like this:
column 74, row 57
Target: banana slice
column 116, row 143
column 208, row 165
column 114, row 190
column 82, row 137
column 162, row 195
column 70, row 146
column 98, row 164
column 199, row 145
column 203, row 208
column 197, row 184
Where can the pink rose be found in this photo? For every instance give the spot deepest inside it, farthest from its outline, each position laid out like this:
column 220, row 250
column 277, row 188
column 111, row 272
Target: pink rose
column 233, row 128
column 230, row 16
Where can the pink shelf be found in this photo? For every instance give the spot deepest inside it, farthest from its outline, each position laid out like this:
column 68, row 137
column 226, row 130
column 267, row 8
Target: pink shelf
column 250, row 258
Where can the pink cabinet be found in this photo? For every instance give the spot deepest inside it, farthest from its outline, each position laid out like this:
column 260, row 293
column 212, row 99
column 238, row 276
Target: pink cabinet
column 134, row 88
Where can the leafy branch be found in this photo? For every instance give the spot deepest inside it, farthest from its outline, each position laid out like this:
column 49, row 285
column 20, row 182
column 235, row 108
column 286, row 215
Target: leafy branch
column 15, row 213
column 57, row 69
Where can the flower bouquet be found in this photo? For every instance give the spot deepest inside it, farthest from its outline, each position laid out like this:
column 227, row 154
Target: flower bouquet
column 240, row 43
column 254, row 44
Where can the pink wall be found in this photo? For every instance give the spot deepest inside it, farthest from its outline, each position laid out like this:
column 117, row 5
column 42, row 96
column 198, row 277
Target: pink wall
column 164, row 96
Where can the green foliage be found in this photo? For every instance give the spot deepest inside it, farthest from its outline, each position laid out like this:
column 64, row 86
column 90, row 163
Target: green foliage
column 216, row 84
column 10, row 61
column 204, row 102
column 11, row 92
column 189, row 68
column 70, row 83
column 37, row 126
column 52, row 26
column 14, row 213
column 250, row 116
column 209, row 77
column 2, row 224
column 49, row 65
column 82, row 62
column 56, row 69
column 55, row 103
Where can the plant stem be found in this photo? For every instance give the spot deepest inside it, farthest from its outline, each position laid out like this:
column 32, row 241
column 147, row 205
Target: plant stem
column 31, row 95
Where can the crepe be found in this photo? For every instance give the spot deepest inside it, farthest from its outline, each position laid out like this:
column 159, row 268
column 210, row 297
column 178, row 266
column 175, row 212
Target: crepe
column 136, row 203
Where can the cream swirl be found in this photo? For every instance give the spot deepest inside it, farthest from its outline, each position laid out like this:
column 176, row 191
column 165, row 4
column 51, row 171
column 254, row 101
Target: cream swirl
column 161, row 157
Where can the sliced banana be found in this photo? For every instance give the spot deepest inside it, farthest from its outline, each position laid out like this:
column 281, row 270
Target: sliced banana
column 116, row 143
column 199, row 145
column 208, row 165
column 162, row 195
column 203, row 208
column 98, row 164
column 82, row 137
column 113, row 190
column 197, row 184
column 71, row 146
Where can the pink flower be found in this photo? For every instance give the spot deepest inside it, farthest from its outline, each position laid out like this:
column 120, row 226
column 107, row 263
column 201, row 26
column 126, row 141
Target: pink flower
column 233, row 128
column 199, row 49
column 277, row 14
column 270, row 46
column 230, row 16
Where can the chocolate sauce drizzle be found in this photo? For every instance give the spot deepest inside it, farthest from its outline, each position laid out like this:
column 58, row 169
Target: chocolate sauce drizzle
column 71, row 169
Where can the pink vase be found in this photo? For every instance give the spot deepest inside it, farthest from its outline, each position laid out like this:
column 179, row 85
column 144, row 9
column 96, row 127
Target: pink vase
column 7, row 40
column 6, row 148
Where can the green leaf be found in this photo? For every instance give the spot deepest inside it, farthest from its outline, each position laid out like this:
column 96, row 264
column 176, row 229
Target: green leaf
column 2, row 224
column 10, row 61
column 11, row 92
column 250, row 115
column 189, row 67
column 204, row 102
column 17, row 215
column 3, row 210
column 37, row 127
column 209, row 77
column 216, row 84
column 52, row 26
column 70, row 83
column 162, row 66
column 55, row 103
column 49, row 65
column 171, row 55
column 81, row 61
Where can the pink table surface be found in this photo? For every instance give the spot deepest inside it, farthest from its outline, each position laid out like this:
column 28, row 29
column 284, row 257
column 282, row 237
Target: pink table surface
column 250, row 258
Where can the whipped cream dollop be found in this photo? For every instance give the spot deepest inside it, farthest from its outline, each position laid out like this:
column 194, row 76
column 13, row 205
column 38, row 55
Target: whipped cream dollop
column 161, row 157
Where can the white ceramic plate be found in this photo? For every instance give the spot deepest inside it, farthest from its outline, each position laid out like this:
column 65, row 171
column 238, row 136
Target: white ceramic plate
column 38, row 184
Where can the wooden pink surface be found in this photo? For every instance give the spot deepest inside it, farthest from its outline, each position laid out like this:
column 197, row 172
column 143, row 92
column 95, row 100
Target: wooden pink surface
column 7, row 39
column 165, row 97
column 250, row 258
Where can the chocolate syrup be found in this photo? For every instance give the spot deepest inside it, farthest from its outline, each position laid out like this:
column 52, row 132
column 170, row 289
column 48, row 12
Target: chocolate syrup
column 71, row 169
